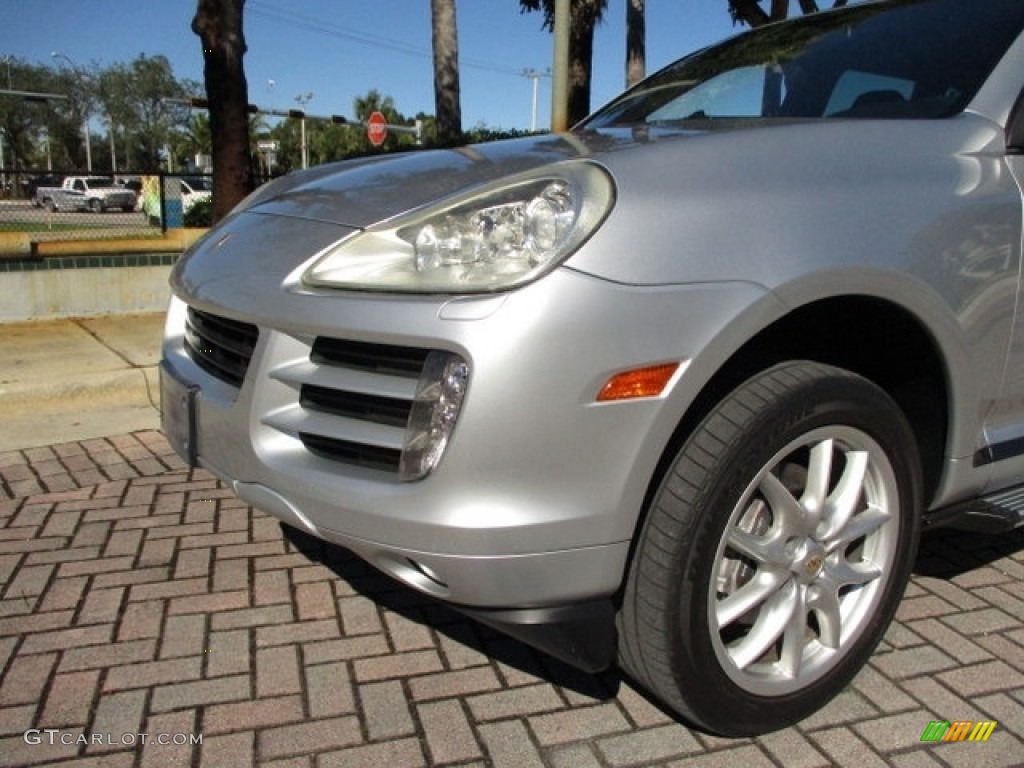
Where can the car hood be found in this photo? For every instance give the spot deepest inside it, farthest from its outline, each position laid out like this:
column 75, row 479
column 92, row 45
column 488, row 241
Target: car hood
column 686, row 200
column 364, row 192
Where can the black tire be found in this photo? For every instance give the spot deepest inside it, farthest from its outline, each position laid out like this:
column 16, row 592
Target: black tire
column 96, row 205
column 51, row 205
column 719, row 570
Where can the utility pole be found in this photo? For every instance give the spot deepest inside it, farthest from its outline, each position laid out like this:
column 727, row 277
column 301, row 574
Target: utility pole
column 560, row 69
column 535, row 75
column 302, row 100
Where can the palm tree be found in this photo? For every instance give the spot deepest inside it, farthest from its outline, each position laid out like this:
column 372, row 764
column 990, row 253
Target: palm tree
column 636, row 42
column 585, row 16
column 444, row 38
column 749, row 12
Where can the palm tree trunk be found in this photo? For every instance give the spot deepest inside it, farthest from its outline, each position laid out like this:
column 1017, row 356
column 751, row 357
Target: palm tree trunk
column 218, row 23
column 636, row 42
column 446, row 71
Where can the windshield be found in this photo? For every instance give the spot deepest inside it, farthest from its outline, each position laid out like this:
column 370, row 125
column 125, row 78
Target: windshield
column 909, row 59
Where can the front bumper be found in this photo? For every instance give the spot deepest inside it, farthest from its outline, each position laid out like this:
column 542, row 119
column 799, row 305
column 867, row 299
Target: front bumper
column 537, row 497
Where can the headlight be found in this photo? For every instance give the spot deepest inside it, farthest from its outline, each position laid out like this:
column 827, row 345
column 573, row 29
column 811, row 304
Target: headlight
column 495, row 238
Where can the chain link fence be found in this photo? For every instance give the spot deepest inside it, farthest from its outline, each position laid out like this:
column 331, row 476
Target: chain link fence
column 49, row 205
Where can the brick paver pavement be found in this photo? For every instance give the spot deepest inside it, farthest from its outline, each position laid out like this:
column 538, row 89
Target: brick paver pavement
column 140, row 597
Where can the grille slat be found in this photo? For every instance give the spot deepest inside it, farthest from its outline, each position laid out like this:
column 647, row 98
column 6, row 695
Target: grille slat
column 378, row 358
column 355, row 405
column 221, row 347
column 358, row 454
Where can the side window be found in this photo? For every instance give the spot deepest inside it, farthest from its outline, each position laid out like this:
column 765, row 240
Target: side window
column 855, row 89
column 79, row 185
column 734, row 93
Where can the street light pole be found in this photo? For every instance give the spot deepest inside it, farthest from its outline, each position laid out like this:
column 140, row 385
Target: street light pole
column 535, row 75
column 3, row 171
column 113, row 150
column 85, row 117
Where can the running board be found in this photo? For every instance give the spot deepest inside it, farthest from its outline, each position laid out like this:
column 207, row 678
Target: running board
column 996, row 513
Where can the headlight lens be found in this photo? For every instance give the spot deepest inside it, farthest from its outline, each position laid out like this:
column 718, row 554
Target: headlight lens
column 496, row 238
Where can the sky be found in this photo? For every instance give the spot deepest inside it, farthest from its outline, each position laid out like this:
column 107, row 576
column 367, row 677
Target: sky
column 325, row 53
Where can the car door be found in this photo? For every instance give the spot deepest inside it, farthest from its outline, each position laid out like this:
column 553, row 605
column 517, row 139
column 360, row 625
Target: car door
column 1003, row 452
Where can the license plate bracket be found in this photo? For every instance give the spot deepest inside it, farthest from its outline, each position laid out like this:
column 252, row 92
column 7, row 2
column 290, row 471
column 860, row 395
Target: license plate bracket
column 178, row 414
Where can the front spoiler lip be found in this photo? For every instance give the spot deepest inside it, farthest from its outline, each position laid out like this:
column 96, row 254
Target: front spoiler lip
column 581, row 633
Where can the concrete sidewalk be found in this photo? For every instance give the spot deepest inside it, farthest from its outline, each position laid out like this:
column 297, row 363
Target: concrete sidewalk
column 75, row 379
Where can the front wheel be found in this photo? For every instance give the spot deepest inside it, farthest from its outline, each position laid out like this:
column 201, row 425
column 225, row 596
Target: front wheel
column 96, row 205
column 775, row 552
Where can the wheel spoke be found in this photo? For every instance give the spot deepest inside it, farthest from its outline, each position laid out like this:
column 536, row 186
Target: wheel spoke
column 771, row 622
column 764, row 584
column 825, row 604
column 864, row 524
column 842, row 503
column 819, row 472
column 794, row 637
column 788, row 516
column 761, row 549
column 843, row 574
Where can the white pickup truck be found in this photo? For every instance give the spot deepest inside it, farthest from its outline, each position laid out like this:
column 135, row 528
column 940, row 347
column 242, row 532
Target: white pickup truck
column 86, row 193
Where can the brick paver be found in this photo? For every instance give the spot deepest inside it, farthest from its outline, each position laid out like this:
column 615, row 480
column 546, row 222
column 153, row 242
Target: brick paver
column 138, row 596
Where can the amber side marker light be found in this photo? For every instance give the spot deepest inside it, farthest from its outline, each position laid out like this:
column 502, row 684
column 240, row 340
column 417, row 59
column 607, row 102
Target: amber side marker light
column 639, row 382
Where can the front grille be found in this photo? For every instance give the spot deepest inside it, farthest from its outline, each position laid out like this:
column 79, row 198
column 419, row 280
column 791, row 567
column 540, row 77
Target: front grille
column 372, row 401
column 221, row 347
column 372, row 406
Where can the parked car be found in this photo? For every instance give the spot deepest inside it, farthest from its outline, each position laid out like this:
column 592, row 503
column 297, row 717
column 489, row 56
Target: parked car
column 30, row 187
column 679, row 389
column 194, row 189
column 190, row 190
column 134, row 183
column 86, row 193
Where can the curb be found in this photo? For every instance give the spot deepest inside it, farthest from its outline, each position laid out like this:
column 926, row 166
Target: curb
column 133, row 387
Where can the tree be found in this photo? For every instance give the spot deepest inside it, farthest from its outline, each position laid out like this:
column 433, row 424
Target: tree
column 70, row 136
column 585, row 16
column 139, row 97
column 636, row 42
column 444, row 38
column 750, row 12
column 28, row 124
column 218, row 23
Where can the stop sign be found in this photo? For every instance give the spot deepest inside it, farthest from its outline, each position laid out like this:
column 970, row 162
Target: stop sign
column 377, row 128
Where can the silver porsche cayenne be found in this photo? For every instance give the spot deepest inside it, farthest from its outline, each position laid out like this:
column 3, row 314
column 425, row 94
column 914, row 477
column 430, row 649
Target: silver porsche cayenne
column 677, row 390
